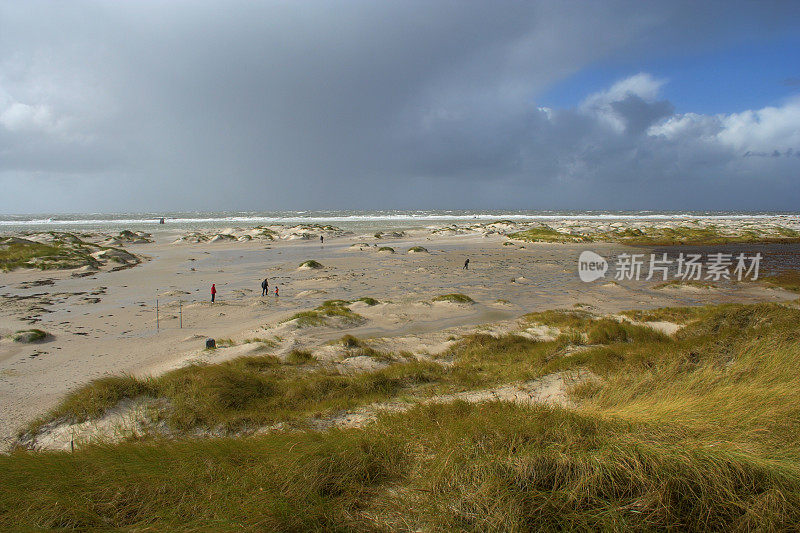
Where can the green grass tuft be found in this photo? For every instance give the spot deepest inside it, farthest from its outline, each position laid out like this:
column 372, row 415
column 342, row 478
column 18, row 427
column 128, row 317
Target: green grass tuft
column 678, row 315
column 311, row 264
column 29, row 335
column 457, row 298
column 329, row 309
column 567, row 318
column 607, row 331
column 300, row 357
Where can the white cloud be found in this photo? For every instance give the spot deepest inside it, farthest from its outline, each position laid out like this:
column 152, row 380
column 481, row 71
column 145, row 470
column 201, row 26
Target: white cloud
column 641, row 88
column 770, row 128
column 19, row 117
column 704, row 127
column 643, row 85
column 763, row 130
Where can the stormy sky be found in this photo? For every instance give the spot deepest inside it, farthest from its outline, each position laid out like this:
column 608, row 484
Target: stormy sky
column 251, row 105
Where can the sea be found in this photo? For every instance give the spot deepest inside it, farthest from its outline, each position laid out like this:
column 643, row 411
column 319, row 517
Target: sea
column 344, row 219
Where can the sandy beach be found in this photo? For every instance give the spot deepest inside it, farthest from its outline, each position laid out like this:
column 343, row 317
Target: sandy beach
column 103, row 322
column 399, row 266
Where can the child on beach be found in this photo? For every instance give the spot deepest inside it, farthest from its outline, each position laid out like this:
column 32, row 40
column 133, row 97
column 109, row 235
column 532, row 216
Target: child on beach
column 276, row 290
column 213, row 292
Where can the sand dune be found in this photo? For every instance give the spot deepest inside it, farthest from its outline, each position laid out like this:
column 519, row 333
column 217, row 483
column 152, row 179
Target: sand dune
column 105, row 321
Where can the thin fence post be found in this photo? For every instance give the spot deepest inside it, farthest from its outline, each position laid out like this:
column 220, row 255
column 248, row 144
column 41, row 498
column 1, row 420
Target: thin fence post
column 180, row 307
column 157, row 325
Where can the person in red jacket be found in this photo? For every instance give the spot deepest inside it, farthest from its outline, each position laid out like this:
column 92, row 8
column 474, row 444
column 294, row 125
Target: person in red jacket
column 213, row 292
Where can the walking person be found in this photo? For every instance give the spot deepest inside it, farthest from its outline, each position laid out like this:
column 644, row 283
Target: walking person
column 276, row 290
column 321, row 239
column 213, row 292
column 466, row 264
column 264, row 287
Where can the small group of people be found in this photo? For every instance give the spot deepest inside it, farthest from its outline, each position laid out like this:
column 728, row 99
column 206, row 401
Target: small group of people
column 265, row 283
column 264, row 290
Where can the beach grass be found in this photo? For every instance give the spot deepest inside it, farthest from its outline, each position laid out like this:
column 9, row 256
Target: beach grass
column 547, row 234
column 608, row 331
column 677, row 315
column 696, row 235
column 330, row 309
column 349, row 341
column 785, row 279
column 312, row 264
column 266, row 343
column 20, row 253
column 456, row 298
column 300, row 357
column 681, row 283
column 62, row 251
column 697, row 431
column 244, row 393
column 358, row 347
column 267, row 233
column 561, row 318
column 29, row 335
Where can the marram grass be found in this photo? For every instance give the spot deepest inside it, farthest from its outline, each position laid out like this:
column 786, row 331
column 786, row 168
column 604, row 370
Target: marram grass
column 694, row 432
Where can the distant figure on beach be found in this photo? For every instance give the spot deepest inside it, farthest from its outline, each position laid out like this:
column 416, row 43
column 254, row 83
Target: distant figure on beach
column 276, row 290
column 466, row 264
column 264, row 287
column 160, row 220
column 321, row 239
column 213, row 292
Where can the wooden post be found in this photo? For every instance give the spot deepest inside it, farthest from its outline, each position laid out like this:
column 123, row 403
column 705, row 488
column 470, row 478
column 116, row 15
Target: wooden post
column 157, row 314
column 180, row 304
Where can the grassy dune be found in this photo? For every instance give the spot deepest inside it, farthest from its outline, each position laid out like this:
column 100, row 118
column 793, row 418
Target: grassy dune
column 63, row 251
column 456, row 298
column 21, row 253
column 330, row 309
column 698, row 431
column 708, row 235
column 785, row 279
column 547, row 234
column 663, row 236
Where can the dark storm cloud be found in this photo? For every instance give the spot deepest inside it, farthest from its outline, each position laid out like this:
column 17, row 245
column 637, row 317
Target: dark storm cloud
column 259, row 105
